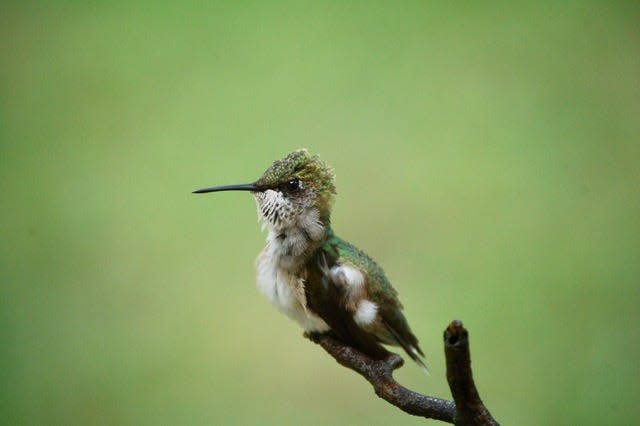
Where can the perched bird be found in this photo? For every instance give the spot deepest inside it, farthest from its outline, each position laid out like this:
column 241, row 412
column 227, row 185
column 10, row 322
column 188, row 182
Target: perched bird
column 312, row 275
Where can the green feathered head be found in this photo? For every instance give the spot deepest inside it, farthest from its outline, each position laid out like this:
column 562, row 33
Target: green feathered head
column 296, row 191
column 297, row 182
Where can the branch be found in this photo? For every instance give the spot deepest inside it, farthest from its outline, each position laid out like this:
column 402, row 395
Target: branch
column 470, row 409
column 467, row 409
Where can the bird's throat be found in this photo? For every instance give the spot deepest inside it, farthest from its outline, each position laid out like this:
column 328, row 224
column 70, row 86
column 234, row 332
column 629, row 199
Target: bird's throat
column 292, row 245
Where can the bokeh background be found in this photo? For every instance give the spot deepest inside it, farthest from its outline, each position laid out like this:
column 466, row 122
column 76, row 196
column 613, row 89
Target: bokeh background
column 487, row 155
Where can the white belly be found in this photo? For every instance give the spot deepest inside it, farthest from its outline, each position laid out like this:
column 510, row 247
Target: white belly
column 285, row 290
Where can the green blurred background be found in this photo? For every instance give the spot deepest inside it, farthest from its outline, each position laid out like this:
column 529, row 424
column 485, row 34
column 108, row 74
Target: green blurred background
column 487, row 155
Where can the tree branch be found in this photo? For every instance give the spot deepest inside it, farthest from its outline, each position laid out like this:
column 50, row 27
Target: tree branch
column 466, row 408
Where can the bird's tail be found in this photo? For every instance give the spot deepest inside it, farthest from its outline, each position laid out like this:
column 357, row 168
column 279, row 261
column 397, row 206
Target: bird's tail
column 415, row 353
column 413, row 350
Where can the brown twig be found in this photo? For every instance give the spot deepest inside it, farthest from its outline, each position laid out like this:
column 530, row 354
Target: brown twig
column 467, row 409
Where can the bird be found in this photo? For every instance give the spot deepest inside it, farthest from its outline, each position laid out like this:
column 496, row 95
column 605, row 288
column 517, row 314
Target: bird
column 313, row 276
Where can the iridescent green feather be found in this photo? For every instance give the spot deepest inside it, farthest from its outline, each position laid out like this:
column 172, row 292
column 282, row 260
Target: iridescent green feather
column 379, row 288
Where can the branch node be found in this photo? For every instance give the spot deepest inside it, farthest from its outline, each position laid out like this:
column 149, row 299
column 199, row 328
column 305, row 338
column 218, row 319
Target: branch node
column 467, row 408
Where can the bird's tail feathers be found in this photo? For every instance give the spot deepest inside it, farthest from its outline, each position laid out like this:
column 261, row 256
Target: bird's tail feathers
column 413, row 350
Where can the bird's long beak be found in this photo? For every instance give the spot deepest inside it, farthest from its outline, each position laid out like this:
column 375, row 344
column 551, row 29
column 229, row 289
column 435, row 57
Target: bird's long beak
column 241, row 187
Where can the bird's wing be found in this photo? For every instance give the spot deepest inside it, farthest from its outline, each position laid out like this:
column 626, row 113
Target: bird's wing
column 343, row 268
column 326, row 299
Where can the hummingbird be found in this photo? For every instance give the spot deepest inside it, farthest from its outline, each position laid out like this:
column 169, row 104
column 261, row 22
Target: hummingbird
column 313, row 276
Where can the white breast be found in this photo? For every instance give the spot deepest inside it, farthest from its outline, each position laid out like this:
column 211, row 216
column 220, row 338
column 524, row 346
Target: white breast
column 283, row 288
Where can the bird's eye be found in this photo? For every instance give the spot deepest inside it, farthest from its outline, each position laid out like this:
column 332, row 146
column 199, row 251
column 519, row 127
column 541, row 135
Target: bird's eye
column 291, row 185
